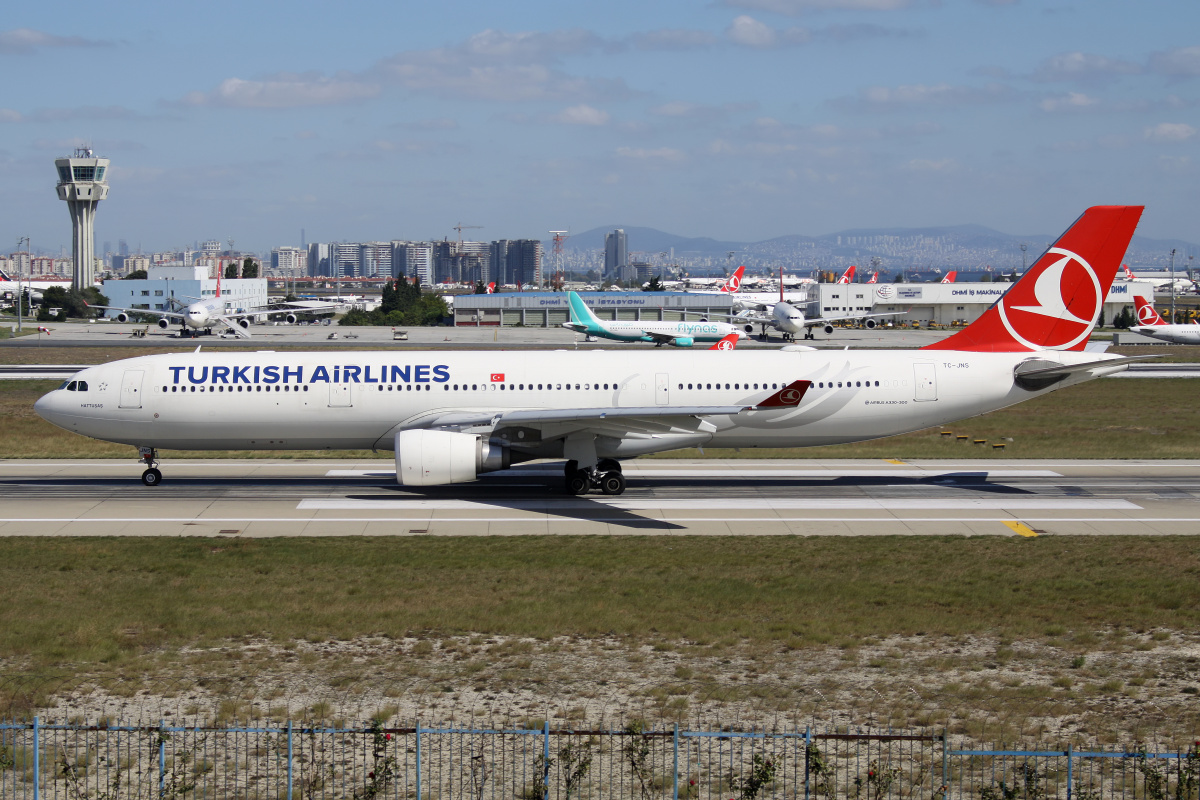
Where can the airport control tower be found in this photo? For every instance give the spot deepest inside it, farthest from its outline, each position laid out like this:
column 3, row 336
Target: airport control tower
column 81, row 183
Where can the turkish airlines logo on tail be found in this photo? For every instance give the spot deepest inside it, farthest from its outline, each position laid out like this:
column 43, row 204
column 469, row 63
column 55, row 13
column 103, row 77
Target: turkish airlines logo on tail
column 1146, row 313
column 848, row 275
column 1039, row 297
column 734, row 282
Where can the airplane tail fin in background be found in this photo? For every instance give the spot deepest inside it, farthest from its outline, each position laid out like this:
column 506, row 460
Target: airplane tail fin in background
column 950, row 276
column 1055, row 305
column 734, row 282
column 1146, row 314
column 848, row 275
column 1129, row 276
column 491, row 288
column 580, row 313
column 874, row 278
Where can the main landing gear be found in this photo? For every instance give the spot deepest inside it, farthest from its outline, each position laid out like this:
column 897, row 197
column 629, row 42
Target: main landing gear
column 149, row 456
column 605, row 476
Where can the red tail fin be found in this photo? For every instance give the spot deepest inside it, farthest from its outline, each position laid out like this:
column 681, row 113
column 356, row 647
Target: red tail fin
column 734, row 282
column 848, row 275
column 950, row 276
column 874, row 277
column 790, row 395
column 1056, row 303
column 1145, row 312
column 728, row 343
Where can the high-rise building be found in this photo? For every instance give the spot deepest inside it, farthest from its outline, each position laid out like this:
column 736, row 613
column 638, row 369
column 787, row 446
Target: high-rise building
column 318, row 260
column 290, row 261
column 82, row 184
column 413, row 260
column 375, row 260
column 498, row 256
column 525, row 262
column 344, row 259
column 615, row 253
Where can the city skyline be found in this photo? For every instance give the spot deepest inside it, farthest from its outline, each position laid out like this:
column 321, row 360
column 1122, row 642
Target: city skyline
column 737, row 120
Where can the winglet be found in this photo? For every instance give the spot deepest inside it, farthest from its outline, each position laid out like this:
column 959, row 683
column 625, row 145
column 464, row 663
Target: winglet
column 790, row 395
column 728, row 343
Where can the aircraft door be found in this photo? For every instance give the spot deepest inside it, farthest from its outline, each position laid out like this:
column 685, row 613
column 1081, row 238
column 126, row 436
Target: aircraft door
column 339, row 395
column 925, row 381
column 131, row 389
column 662, row 389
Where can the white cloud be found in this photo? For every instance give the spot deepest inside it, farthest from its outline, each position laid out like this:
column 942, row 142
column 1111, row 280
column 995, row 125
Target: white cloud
column 1082, row 67
column 673, row 39
column 749, row 32
column 582, row 114
column 944, row 95
column 25, row 40
column 283, row 91
column 1182, row 62
column 656, row 154
column 797, row 7
column 8, row 115
column 434, row 124
column 1170, row 132
column 931, row 165
column 1071, row 101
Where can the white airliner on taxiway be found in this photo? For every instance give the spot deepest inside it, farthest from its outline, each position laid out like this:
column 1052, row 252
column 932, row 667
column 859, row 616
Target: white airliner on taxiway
column 451, row 415
column 1154, row 326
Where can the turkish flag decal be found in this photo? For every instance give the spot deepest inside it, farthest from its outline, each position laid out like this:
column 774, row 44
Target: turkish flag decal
column 497, row 377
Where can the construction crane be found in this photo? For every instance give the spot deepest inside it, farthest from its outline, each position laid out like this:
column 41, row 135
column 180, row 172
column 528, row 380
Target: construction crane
column 460, row 228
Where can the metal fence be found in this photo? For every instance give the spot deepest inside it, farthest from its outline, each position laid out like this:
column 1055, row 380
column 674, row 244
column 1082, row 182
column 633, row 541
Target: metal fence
column 113, row 761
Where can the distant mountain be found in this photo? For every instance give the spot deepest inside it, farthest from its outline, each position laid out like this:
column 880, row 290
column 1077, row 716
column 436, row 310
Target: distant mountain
column 948, row 247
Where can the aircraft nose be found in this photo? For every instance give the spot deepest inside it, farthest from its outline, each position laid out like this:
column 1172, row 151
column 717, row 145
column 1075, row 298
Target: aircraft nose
column 44, row 407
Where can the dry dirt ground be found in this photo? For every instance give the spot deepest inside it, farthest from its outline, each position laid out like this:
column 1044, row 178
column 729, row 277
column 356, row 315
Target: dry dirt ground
column 1101, row 688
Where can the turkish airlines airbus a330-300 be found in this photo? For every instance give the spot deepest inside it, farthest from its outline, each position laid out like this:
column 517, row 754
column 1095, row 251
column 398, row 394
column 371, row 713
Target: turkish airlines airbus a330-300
column 450, row 416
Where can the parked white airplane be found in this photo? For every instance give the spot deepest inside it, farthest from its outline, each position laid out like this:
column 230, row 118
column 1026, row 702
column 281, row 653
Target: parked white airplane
column 206, row 314
column 676, row 334
column 452, row 415
column 1156, row 327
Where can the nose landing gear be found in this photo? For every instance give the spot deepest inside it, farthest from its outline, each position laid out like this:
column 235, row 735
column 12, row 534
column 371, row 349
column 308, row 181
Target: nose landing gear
column 149, row 457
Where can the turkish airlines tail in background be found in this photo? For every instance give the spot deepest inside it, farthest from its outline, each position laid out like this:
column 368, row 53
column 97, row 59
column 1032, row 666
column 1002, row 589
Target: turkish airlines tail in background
column 728, row 343
column 950, row 276
column 848, row 275
column 1146, row 314
column 874, row 277
column 491, row 287
column 1129, row 276
column 734, row 282
column 1055, row 304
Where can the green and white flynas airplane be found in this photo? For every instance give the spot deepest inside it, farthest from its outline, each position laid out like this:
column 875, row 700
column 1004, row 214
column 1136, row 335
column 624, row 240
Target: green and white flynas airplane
column 676, row 334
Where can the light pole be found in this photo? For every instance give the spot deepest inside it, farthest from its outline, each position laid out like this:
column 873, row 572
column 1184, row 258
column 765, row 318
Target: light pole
column 20, row 269
column 1172, row 267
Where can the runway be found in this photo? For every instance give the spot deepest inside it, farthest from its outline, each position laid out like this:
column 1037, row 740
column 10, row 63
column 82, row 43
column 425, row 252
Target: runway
column 253, row 498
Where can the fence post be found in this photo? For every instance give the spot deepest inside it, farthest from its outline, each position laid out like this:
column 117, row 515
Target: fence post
column 807, row 747
column 945, row 765
column 162, row 758
column 675, row 769
column 289, row 762
column 418, row 759
column 37, row 746
column 1070, row 771
column 546, row 761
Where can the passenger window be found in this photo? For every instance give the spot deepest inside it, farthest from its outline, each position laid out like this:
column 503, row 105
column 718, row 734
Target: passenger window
column 473, row 385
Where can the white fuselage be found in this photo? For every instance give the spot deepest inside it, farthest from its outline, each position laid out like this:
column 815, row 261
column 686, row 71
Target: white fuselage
column 1178, row 334
column 640, row 331
column 350, row 400
column 762, row 301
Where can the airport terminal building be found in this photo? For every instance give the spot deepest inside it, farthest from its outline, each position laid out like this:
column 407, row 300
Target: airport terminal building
column 941, row 303
column 549, row 309
column 186, row 285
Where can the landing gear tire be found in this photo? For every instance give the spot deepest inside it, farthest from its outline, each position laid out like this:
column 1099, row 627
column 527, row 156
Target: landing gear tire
column 578, row 483
column 570, row 468
column 608, row 465
column 612, row 483
column 152, row 477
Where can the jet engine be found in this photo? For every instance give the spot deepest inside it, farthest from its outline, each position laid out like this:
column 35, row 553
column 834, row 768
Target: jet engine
column 828, row 330
column 432, row 458
column 683, row 341
column 870, row 324
column 748, row 328
column 244, row 323
column 290, row 319
column 162, row 323
column 122, row 317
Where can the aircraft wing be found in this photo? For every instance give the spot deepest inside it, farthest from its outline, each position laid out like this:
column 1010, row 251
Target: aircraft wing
column 265, row 311
column 661, row 338
column 621, row 423
column 169, row 314
column 815, row 321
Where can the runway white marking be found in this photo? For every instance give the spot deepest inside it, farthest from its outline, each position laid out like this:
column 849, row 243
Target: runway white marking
column 739, row 504
column 733, row 472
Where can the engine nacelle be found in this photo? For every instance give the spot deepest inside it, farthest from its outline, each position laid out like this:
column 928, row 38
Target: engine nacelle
column 433, row 458
column 683, row 341
column 870, row 324
column 244, row 323
column 748, row 328
column 122, row 317
column 163, row 323
column 290, row 319
column 828, row 330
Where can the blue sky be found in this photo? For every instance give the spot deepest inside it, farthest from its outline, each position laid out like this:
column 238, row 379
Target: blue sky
column 735, row 119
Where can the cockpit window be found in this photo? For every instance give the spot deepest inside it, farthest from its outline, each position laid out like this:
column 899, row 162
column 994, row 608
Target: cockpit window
column 64, row 385
column 71, row 386
column 82, row 386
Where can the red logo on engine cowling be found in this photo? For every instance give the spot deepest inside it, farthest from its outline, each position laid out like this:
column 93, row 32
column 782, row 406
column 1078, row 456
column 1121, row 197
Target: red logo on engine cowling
column 1056, row 304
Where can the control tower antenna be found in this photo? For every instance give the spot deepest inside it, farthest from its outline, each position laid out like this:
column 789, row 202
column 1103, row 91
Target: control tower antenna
column 82, row 184
column 556, row 281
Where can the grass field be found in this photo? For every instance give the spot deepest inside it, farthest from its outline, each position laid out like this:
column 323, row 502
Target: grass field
column 1115, row 418
column 95, row 601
